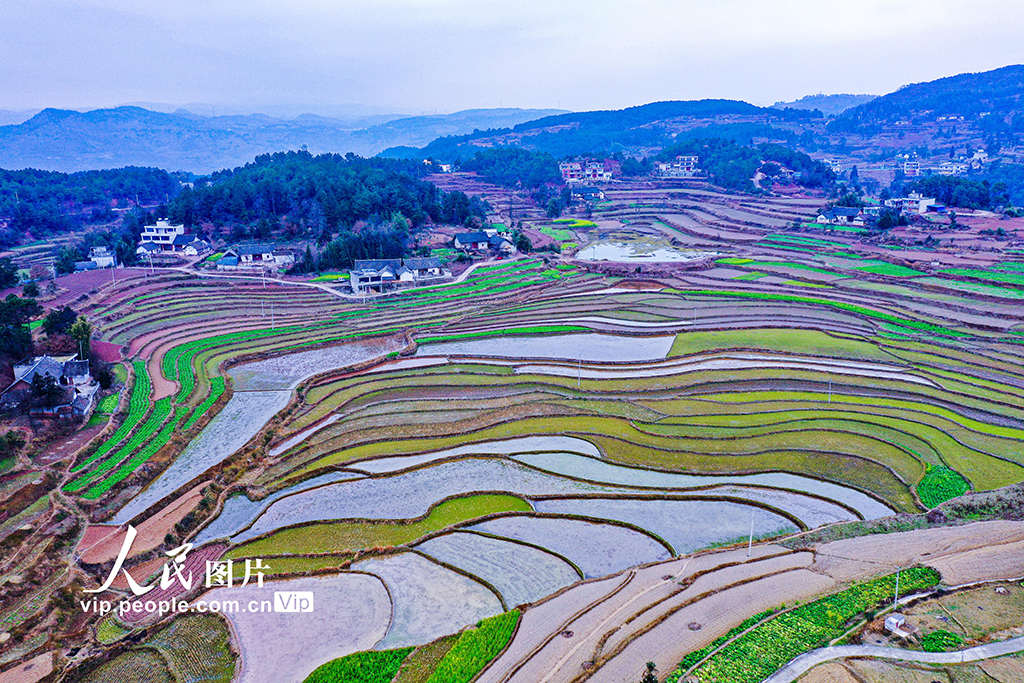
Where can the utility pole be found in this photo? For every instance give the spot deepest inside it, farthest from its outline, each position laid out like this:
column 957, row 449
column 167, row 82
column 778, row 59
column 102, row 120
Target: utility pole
column 579, row 375
column 896, row 597
column 830, row 388
column 750, row 543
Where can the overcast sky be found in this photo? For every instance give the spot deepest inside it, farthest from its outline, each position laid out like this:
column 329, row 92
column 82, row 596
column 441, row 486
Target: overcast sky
column 446, row 55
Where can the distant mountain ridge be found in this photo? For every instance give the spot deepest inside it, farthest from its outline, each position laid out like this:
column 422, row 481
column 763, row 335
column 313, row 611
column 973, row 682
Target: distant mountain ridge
column 68, row 141
column 648, row 126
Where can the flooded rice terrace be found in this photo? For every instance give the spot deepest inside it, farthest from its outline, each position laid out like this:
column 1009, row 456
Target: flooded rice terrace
column 620, row 250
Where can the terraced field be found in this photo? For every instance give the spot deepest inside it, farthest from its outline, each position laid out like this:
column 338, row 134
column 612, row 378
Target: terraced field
column 567, row 438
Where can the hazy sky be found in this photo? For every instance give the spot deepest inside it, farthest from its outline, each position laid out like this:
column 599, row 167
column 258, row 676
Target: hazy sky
column 422, row 55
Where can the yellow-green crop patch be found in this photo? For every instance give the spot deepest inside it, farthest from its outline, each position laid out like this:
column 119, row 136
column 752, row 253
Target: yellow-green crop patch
column 344, row 537
column 778, row 340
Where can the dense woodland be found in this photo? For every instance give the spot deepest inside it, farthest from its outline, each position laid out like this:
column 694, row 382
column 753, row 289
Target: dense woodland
column 298, row 194
column 40, row 204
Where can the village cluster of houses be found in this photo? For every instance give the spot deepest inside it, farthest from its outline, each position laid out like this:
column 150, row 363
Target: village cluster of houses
column 71, row 374
column 913, row 204
column 586, row 171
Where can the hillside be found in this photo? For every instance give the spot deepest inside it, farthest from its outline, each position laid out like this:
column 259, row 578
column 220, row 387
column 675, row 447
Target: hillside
column 826, row 104
column 62, row 140
column 998, row 92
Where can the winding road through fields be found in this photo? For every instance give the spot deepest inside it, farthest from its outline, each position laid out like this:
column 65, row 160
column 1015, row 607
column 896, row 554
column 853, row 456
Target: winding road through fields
column 804, row 663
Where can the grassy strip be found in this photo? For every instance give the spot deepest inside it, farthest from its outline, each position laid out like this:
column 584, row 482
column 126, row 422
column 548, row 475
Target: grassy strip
column 361, row 667
column 475, row 649
column 125, row 470
column 216, row 391
column 761, row 652
column 1012, row 278
column 137, row 406
column 421, row 663
column 939, row 485
column 108, row 404
column 341, row 537
column 913, row 325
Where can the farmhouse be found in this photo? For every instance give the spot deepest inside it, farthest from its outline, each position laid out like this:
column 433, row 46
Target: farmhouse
column 196, row 248
column 584, row 171
column 841, row 215
column 66, row 370
column 382, row 274
column 102, row 257
column 257, row 255
column 472, row 240
column 684, row 166
column 914, row 203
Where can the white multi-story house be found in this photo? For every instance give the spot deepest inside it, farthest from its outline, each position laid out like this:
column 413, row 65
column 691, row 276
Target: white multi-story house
column 684, row 166
column 162, row 234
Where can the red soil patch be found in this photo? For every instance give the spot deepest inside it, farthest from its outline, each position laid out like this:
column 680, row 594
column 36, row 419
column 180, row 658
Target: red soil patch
column 140, row 572
column 106, row 352
column 101, row 542
column 78, row 284
column 162, row 387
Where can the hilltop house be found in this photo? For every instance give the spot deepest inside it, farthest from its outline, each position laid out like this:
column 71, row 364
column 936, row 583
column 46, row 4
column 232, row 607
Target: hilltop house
column 914, row 203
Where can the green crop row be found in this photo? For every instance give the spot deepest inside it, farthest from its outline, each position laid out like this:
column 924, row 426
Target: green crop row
column 475, row 649
column 1013, row 278
column 138, row 404
column 216, row 391
column 758, row 654
column 151, row 448
column 361, row 667
column 939, row 485
column 161, row 409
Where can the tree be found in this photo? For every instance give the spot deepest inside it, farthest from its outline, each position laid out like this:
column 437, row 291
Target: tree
column 59, row 321
column 81, row 332
column 47, row 391
column 15, row 313
column 650, row 676
column 65, row 261
column 10, row 444
column 30, row 290
column 523, row 243
column 8, row 274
